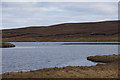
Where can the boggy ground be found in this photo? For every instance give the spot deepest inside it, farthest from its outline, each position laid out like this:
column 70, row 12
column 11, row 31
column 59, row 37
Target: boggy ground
column 108, row 70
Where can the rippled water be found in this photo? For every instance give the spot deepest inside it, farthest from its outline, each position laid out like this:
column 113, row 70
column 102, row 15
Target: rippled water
column 38, row 55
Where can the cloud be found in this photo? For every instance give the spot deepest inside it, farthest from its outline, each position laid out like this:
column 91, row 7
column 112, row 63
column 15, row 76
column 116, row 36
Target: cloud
column 20, row 14
column 60, row 1
column 105, row 8
column 51, row 9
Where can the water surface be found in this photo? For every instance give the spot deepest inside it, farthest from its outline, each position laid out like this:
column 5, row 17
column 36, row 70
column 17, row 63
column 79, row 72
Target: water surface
column 38, row 55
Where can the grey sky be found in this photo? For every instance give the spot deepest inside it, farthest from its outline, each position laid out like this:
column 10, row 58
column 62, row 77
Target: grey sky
column 23, row 14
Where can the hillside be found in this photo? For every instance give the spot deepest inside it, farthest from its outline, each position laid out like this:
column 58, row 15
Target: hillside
column 92, row 31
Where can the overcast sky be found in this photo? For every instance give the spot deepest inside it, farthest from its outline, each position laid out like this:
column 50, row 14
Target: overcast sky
column 24, row 14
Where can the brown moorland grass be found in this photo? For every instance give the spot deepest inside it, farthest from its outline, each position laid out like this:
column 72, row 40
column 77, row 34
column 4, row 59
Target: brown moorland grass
column 109, row 70
column 67, row 32
column 104, row 58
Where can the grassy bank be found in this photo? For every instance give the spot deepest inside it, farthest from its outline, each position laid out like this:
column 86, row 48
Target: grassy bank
column 104, row 58
column 63, row 39
column 109, row 70
column 91, row 43
column 6, row 45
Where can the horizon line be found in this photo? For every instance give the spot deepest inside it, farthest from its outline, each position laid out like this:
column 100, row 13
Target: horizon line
column 60, row 24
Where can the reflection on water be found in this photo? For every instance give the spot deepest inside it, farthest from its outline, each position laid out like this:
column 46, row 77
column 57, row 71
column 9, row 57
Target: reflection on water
column 38, row 55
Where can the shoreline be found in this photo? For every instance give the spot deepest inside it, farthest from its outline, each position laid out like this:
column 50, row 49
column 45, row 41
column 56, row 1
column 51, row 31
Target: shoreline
column 92, row 43
column 108, row 70
column 116, row 40
column 82, row 43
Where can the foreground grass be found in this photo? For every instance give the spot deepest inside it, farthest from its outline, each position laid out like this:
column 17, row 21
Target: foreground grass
column 6, row 45
column 109, row 70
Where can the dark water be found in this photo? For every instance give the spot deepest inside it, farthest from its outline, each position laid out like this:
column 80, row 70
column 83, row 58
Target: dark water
column 38, row 55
